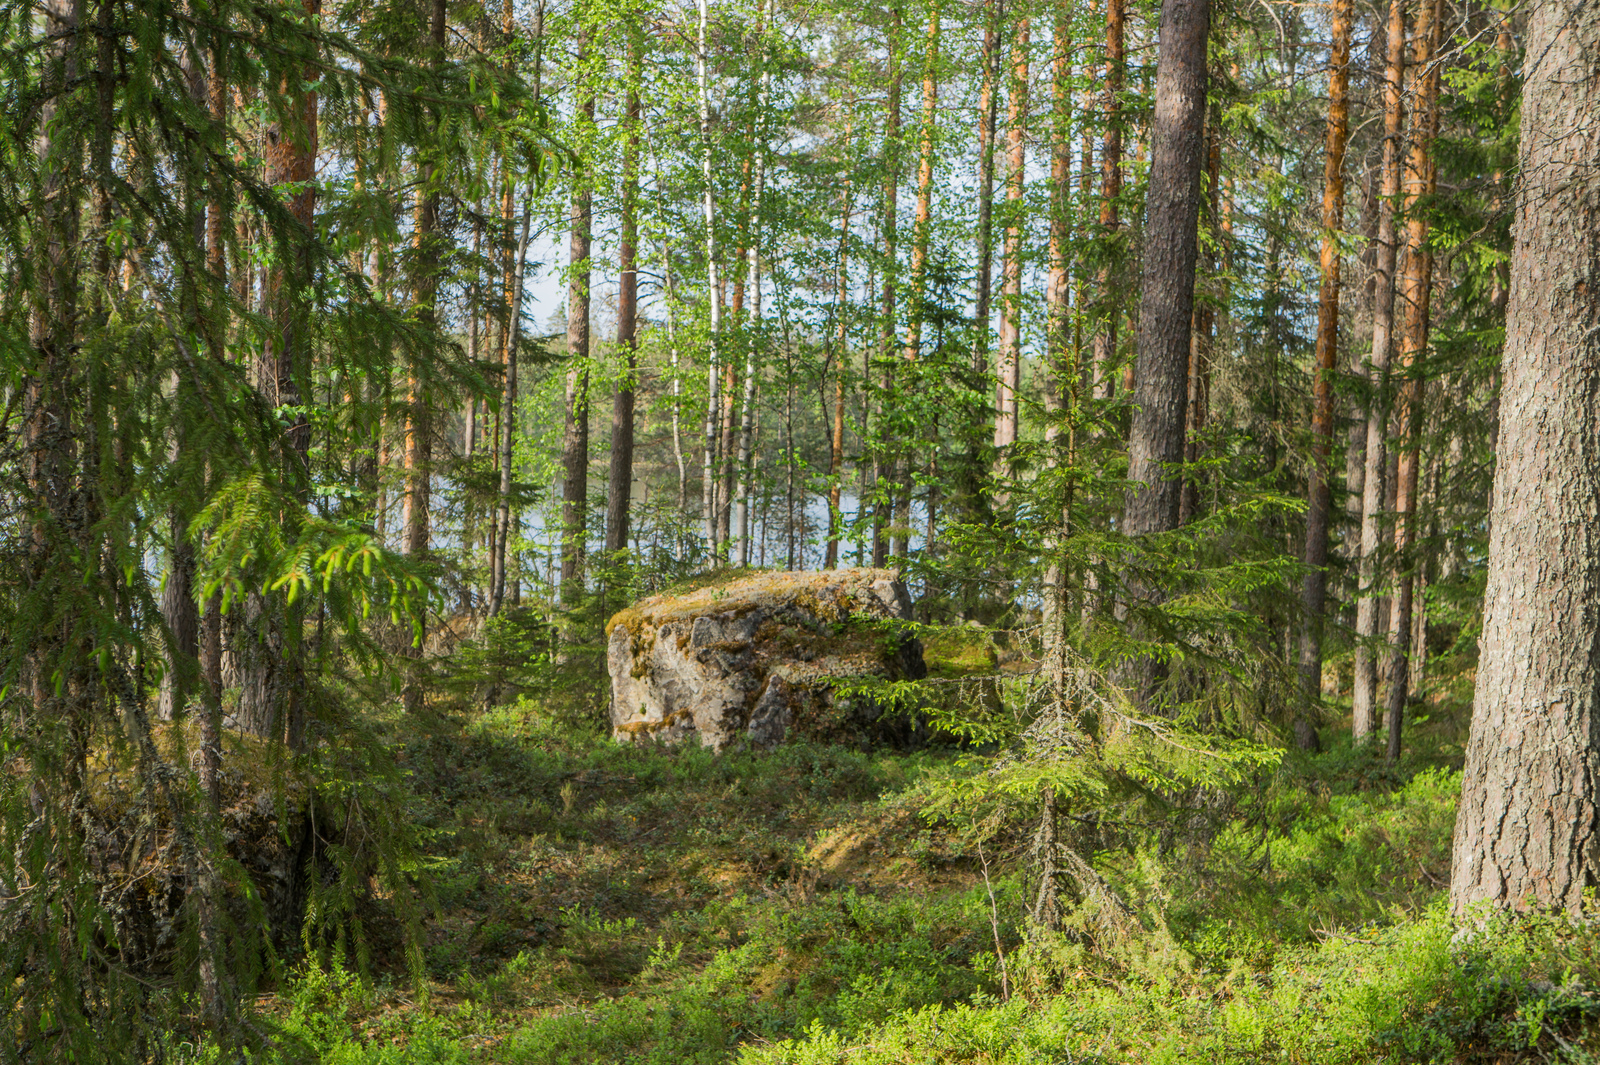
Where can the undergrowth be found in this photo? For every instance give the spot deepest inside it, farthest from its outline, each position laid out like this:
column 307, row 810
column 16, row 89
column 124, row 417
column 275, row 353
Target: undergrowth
column 604, row 903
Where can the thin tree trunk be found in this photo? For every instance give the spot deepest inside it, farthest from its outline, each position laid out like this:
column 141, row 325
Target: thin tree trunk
column 1417, row 284
column 1364, row 694
column 988, row 106
column 743, row 471
column 1527, row 830
column 840, row 339
column 1008, row 364
column 881, row 456
column 269, row 699
column 1105, row 333
column 900, row 487
column 1314, row 588
column 575, row 437
column 1061, row 389
column 419, row 414
column 620, row 486
column 508, row 420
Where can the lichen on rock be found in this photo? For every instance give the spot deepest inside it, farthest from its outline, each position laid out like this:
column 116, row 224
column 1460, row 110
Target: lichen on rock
column 758, row 658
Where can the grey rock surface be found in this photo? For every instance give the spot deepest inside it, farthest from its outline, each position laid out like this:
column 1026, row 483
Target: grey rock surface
column 758, row 658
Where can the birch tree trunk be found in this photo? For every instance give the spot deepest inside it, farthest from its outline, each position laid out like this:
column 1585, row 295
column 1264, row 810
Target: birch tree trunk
column 708, row 498
column 1528, row 828
column 900, row 487
column 743, row 472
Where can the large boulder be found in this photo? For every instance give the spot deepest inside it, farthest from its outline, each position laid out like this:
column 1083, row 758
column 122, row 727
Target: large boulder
column 761, row 657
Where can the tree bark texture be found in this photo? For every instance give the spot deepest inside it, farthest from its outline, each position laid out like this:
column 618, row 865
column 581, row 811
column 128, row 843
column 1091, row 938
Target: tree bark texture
column 988, row 108
column 1166, row 301
column 620, row 483
column 1374, row 490
column 886, row 335
column 1416, row 288
column 269, row 699
column 840, row 353
column 1528, row 828
column 1008, row 362
column 1105, row 332
column 575, row 438
column 1314, row 588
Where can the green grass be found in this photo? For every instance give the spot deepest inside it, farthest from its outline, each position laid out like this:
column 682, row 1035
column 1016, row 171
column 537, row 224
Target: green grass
column 604, row 903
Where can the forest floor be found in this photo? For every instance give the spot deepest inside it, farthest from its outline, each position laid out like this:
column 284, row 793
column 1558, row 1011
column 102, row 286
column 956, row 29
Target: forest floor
column 603, row 903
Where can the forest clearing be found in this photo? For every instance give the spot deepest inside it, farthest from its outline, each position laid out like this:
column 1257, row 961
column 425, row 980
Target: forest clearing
column 990, row 532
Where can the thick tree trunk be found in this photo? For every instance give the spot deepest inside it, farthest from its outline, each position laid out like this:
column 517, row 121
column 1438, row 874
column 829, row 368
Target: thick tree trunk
column 1528, row 827
column 1364, row 694
column 1166, row 296
column 1417, row 285
column 1166, row 299
column 1314, row 589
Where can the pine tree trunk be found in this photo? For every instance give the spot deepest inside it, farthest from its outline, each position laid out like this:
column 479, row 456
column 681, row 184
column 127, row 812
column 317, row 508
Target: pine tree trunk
column 508, row 407
column 1166, row 301
column 1061, row 387
column 1205, row 320
column 1364, row 694
column 1528, row 827
column 419, row 421
column 1314, row 589
column 620, row 483
column 269, row 701
column 1008, row 363
column 1105, row 332
column 1417, row 285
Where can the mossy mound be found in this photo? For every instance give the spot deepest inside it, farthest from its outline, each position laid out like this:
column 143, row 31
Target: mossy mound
column 760, row 657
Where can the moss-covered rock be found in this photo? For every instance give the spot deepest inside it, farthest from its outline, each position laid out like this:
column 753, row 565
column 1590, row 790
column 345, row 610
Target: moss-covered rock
column 761, row 657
